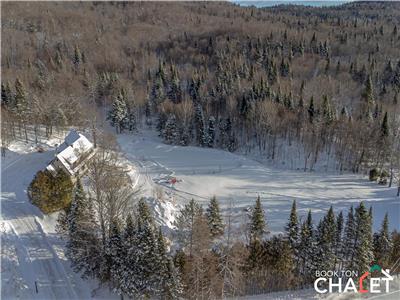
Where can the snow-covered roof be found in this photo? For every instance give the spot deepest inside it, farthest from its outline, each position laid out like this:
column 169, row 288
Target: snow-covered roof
column 75, row 147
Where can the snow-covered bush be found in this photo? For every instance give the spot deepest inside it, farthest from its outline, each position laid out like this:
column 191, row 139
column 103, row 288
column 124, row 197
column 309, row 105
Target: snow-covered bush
column 51, row 193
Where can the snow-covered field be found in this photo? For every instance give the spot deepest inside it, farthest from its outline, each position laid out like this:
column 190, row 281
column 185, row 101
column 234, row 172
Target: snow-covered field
column 32, row 252
column 203, row 172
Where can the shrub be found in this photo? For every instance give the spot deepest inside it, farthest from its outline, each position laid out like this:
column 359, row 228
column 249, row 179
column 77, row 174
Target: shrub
column 51, row 192
column 373, row 174
column 383, row 178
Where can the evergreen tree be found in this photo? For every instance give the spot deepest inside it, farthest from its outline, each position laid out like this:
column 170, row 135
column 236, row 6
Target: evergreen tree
column 169, row 285
column 349, row 239
column 170, row 131
column 157, row 94
column 214, row 218
column 363, row 240
column 326, row 241
column 368, row 94
column 306, row 247
column 339, row 237
column 175, row 91
column 6, row 95
column 116, row 256
column 118, row 115
column 292, row 228
column 77, row 59
column 20, row 105
column 144, row 278
column 201, row 134
column 257, row 221
column 311, row 110
column 383, row 244
column 211, row 132
column 385, row 126
column 83, row 244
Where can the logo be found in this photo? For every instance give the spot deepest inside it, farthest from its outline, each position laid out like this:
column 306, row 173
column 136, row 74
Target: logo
column 348, row 281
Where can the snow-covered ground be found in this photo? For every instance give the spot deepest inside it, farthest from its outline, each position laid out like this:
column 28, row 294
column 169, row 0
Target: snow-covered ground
column 32, row 255
column 32, row 252
column 203, row 172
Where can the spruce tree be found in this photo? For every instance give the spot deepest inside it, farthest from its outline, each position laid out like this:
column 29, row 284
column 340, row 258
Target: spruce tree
column 326, row 241
column 77, row 59
column 257, row 221
column 20, row 104
column 170, row 131
column 363, row 241
column 168, row 282
column 349, row 239
column 144, row 278
column 83, row 247
column 385, row 126
column 306, row 247
column 383, row 244
column 214, row 218
column 311, row 110
column 116, row 256
column 292, row 228
column 339, row 237
column 118, row 115
column 211, row 132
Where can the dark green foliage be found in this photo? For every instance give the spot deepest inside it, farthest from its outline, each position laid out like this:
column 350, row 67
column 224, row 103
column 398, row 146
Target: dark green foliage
column 383, row 244
column 363, row 239
column 373, row 174
column 257, row 221
column 385, row 126
column 292, row 227
column 51, row 192
column 83, row 247
column 214, row 218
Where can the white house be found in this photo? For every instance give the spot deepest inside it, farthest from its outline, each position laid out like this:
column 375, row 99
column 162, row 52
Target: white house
column 72, row 155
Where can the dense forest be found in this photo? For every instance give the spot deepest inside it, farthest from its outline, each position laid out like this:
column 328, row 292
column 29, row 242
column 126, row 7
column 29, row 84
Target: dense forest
column 291, row 84
column 304, row 86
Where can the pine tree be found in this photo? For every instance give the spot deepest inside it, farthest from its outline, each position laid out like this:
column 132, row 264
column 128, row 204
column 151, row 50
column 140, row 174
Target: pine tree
column 144, row 271
column 5, row 94
column 257, row 221
column 363, row 240
column 326, row 242
column 116, row 256
column 306, row 247
column 157, row 94
column 20, row 104
column 292, row 228
column 211, row 132
column 311, row 110
column 83, row 247
column 385, row 126
column 349, row 239
column 118, row 115
column 368, row 94
column 339, row 237
column 383, row 244
column 169, row 285
column 214, row 218
column 201, row 134
column 175, row 91
column 77, row 59
column 170, row 131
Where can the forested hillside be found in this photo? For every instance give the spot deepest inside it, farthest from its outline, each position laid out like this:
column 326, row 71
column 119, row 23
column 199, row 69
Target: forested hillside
column 212, row 74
